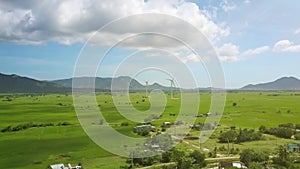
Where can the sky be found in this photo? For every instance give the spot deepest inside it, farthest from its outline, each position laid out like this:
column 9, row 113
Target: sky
column 253, row 41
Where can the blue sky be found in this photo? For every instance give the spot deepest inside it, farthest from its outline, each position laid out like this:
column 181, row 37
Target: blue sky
column 255, row 41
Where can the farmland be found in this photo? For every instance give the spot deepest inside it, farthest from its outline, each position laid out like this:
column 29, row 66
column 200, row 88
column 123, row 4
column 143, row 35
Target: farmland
column 37, row 147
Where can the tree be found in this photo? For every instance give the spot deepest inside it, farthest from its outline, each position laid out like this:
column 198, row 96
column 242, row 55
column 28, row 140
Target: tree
column 186, row 161
column 255, row 165
column 182, row 161
column 287, row 125
column 228, row 136
column 284, row 132
column 263, row 129
column 283, row 158
column 198, row 158
column 249, row 155
column 166, row 156
column 248, row 135
column 297, row 136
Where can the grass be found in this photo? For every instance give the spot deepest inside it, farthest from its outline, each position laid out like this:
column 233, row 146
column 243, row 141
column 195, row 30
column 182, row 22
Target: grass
column 36, row 148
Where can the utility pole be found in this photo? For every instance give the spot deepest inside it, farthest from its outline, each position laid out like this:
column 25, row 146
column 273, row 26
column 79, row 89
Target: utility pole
column 228, row 148
column 131, row 155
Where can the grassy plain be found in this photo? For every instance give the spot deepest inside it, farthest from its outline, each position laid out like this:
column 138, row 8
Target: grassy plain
column 36, row 148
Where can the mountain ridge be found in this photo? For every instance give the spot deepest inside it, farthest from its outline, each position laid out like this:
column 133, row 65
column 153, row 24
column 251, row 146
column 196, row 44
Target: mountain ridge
column 283, row 83
column 119, row 83
column 19, row 84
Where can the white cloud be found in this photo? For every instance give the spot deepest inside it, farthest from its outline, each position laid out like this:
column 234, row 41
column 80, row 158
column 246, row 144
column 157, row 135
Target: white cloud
column 191, row 58
column 210, row 11
column 228, row 52
column 286, row 45
column 256, row 51
column 247, row 1
column 231, row 52
column 297, row 31
column 226, row 6
column 71, row 21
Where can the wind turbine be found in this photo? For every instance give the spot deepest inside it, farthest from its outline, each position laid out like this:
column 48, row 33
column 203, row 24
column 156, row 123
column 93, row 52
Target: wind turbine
column 172, row 84
column 146, row 88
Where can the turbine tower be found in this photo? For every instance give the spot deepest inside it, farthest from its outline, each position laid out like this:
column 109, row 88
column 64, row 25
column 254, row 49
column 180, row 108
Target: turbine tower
column 172, row 84
column 146, row 88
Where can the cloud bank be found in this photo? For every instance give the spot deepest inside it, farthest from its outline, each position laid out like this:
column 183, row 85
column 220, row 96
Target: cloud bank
column 72, row 21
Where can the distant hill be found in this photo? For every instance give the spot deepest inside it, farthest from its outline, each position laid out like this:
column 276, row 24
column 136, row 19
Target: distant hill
column 105, row 83
column 284, row 83
column 18, row 84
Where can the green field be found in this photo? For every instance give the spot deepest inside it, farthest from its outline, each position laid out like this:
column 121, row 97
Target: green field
column 37, row 147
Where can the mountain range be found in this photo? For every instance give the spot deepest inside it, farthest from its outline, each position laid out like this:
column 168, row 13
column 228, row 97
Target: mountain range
column 120, row 83
column 284, row 83
column 18, row 84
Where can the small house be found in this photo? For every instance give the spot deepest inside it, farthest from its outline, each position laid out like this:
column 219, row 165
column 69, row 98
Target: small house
column 293, row 147
column 230, row 164
column 62, row 166
column 166, row 123
column 58, row 166
column 155, row 146
column 207, row 114
column 141, row 128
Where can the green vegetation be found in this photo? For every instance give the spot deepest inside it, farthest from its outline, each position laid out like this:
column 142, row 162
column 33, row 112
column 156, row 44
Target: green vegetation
column 249, row 156
column 283, row 130
column 31, row 125
column 41, row 138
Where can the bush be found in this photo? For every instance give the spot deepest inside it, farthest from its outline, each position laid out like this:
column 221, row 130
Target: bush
column 255, row 165
column 198, row 159
column 228, row 136
column 144, row 133
column 297, row 136
column 283, row 157
column 124, row 124
column 6, row 129
column 288, row 125
column 64, row 124
column 166, row 157
column 248, row 135
column 263, row 129
column 31, row 125
column 222, row 148
column 283, row 131
column 249, row 155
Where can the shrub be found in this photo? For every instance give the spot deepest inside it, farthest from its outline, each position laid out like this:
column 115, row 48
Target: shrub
column 263, row 129
column 297, row 136
column 249, row 155
column 287, row 125
column 124, row 124
column 31, row 125
column 283, row 131
column 255, row 165
column 248, row 135
column 6, row 129
column 228, row 136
